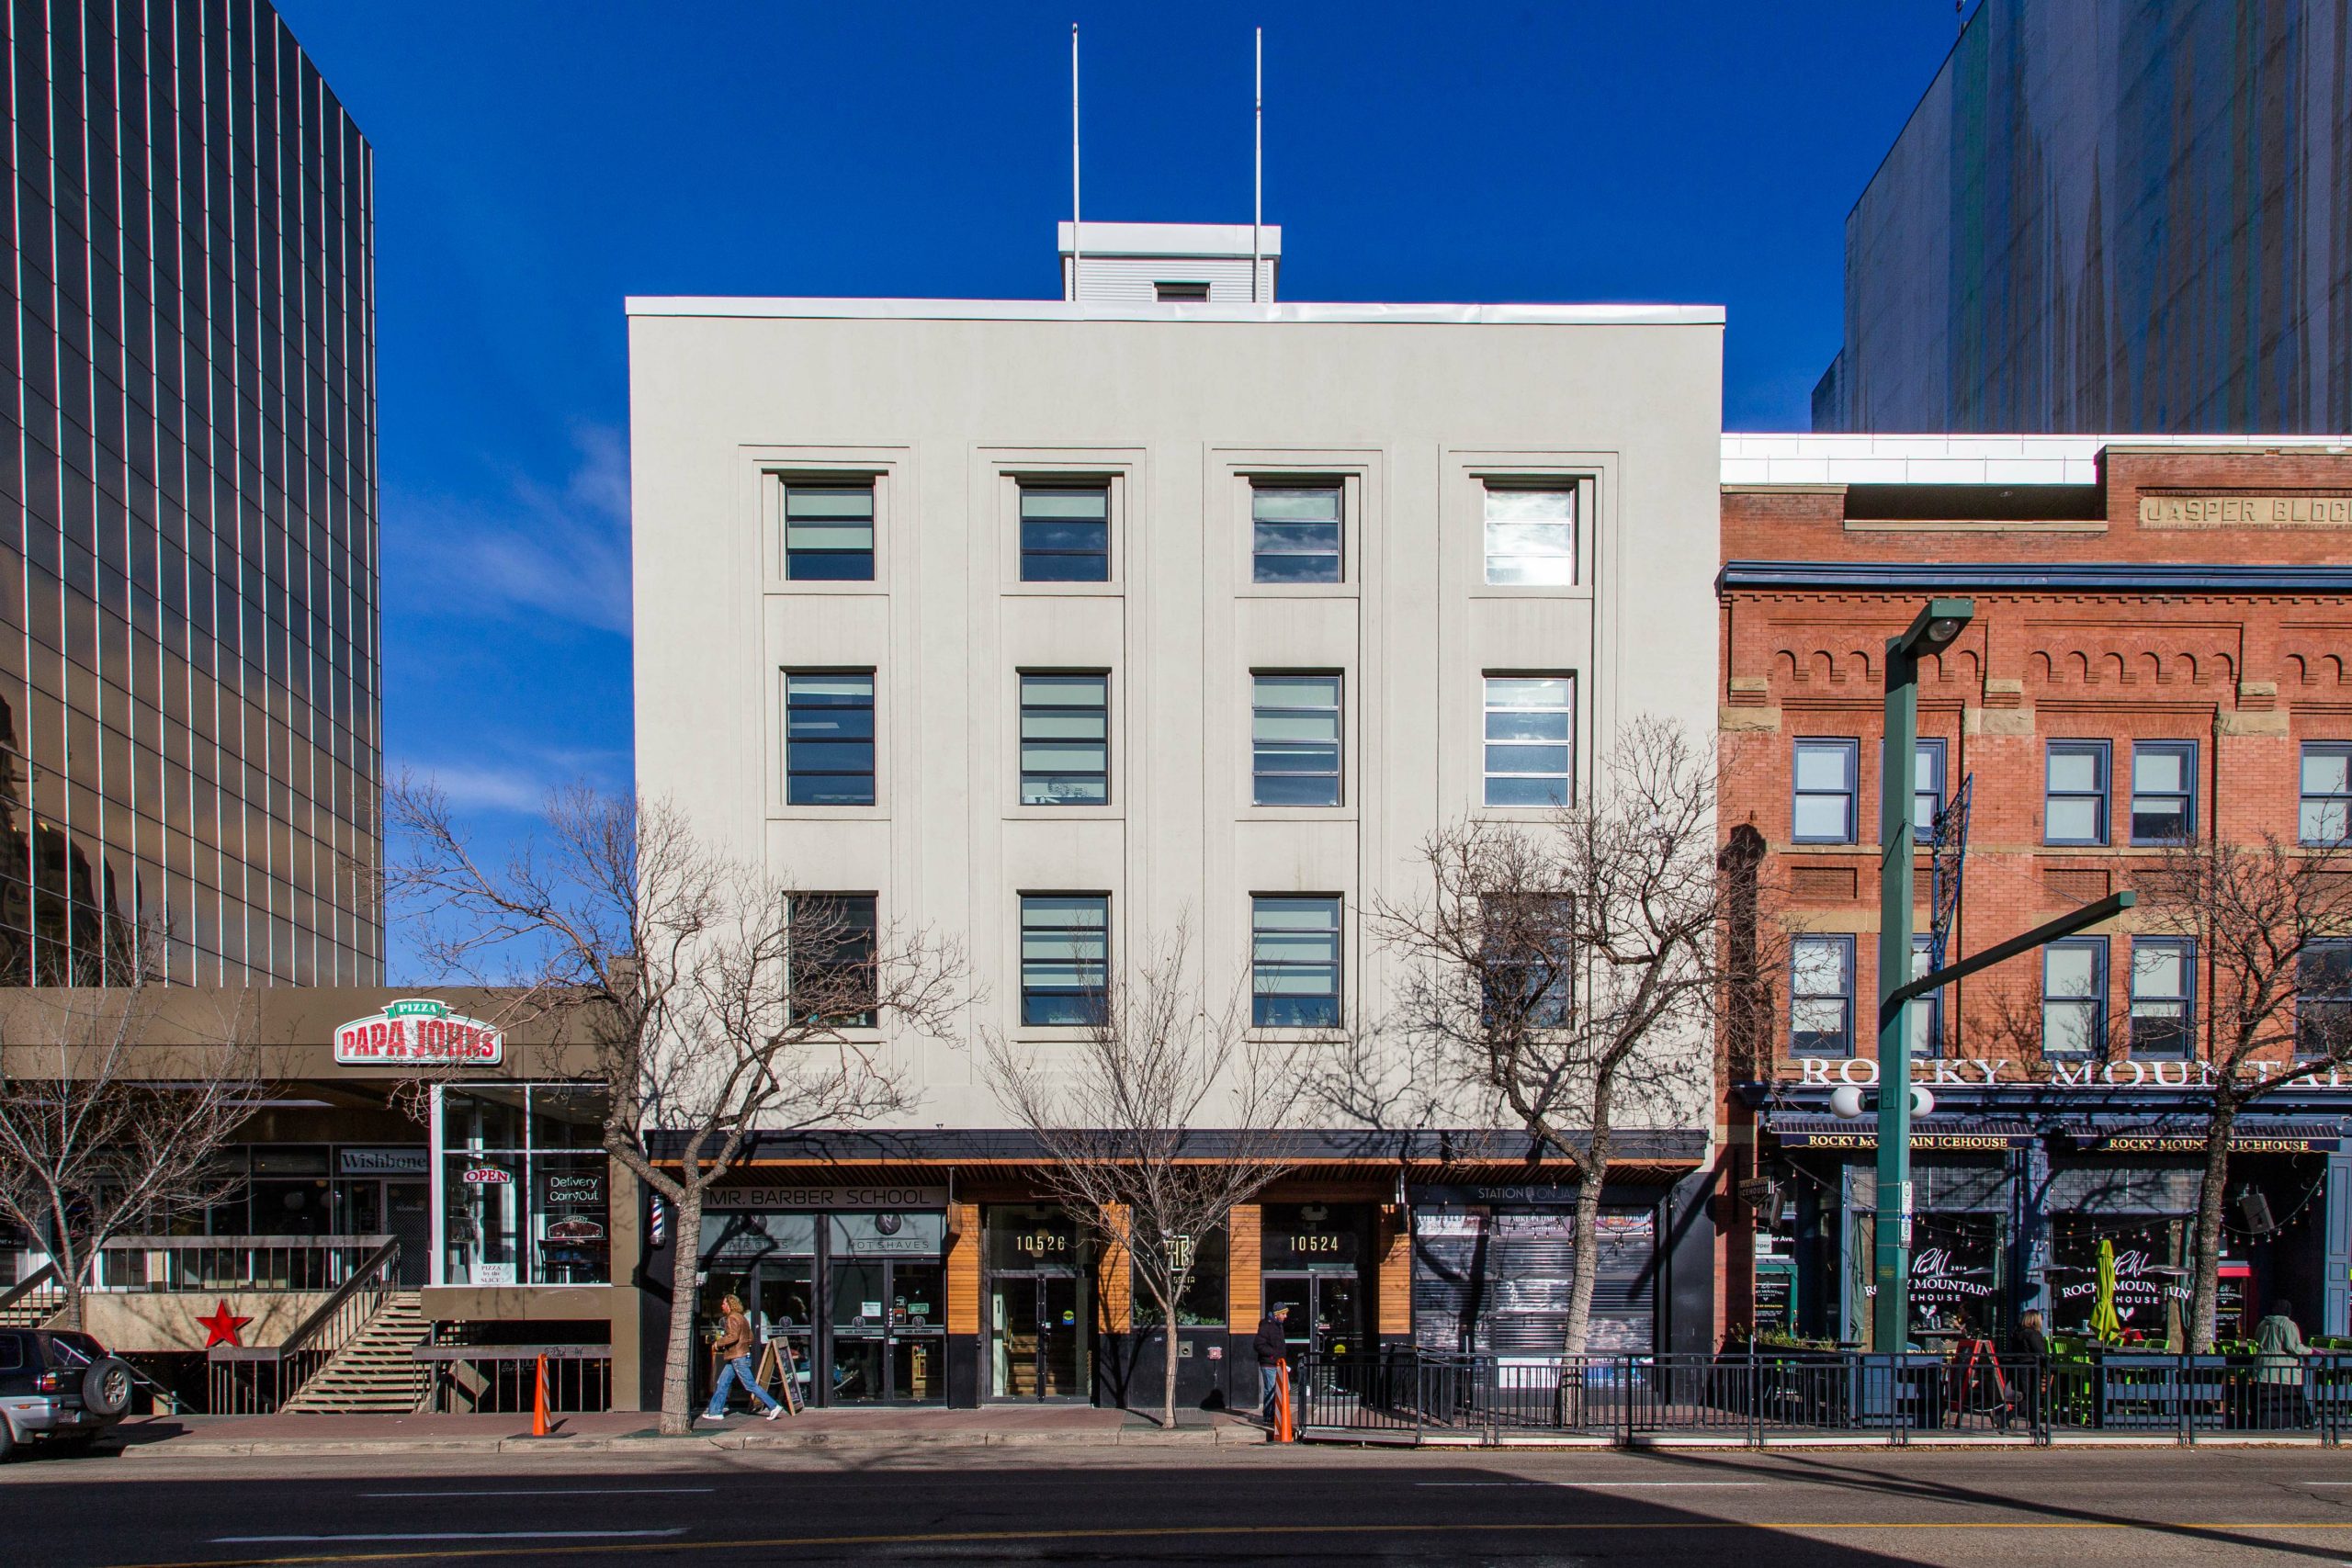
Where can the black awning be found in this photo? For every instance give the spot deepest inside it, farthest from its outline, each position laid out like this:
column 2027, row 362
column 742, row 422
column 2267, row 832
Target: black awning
column 2183, row 1136
column 1948, row 1135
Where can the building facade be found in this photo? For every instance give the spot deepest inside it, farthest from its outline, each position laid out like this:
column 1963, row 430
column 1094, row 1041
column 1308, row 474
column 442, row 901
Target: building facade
column 2156, row 656
column 188, row 619
column 1051, row 626
column 2111, row 215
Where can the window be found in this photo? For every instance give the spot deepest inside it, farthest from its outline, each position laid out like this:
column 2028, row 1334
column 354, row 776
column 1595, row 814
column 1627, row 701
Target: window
column 828, row 533
column 525, row 1194
column 2073, row 807
column 1526, row 956
column 1294, row 962
column 1926, row 790
column 1295, row 533
column 1203, row 1304
column 1294, row 740
column 1821, row 997
column 1529, row 746
column 1927, row 1011
column 831, row 939
column 2162, row 975
column 2326, row 814
column 2074, row 996
column 829, row 738
column 1064, row 739
column 2163, row 791
column 1065, row 534
column 1065, row 957
column 1176, row 293
column 1824, row 812
column 1530, row 537
column 2323, row 1000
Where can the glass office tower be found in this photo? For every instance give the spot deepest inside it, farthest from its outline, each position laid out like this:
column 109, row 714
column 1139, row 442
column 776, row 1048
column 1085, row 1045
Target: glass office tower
column 188, row 618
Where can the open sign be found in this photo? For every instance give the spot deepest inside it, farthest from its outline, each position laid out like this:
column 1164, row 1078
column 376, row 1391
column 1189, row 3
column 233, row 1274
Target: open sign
column 488, row 1175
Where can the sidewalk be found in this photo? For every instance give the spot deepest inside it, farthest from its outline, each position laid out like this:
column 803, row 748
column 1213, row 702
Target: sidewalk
column 847, row 1431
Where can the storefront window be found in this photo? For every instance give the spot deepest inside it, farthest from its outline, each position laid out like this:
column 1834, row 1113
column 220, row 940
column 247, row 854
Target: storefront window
column 2151, row 1274
column 526, row 1193
column 1203, row 1304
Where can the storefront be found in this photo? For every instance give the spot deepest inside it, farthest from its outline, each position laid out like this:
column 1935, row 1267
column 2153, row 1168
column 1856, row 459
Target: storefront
column 851, row 1279
column 1492, row 1267
column 1039, row 1315
column 521, row 1185
column 2017, row 1193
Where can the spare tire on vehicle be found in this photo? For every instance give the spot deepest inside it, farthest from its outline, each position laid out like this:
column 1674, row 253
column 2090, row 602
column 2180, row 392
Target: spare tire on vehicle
column 105, row 1387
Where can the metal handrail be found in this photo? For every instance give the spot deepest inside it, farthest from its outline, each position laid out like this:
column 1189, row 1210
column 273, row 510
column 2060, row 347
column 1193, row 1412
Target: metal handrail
column 371, row 1276
column 199, row 1243
column 510, row 1352
column 46, row 1274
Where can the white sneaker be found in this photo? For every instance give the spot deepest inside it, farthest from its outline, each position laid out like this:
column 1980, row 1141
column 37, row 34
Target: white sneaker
column 774, row 1411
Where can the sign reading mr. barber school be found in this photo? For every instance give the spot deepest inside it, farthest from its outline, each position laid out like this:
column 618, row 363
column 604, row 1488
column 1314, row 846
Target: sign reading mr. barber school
column 418, row 1031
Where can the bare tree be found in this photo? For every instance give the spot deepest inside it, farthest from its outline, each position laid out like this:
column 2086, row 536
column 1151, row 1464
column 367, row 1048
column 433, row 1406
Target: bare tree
column 713, row 1000
column 1162, row 1118
column 1567, row 973
column 111, row 1121
column 2271, row 925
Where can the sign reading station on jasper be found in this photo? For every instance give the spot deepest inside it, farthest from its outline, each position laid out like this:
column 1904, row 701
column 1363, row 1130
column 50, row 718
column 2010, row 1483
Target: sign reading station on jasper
column 418, row 1031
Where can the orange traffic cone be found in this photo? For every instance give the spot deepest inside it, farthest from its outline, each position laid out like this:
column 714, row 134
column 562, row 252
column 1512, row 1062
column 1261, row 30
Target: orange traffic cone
column 1284, row 1430
column 539, row 1401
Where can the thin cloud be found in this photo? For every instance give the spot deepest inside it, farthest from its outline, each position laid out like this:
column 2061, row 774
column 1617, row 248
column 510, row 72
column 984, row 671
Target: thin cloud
column 512, row 790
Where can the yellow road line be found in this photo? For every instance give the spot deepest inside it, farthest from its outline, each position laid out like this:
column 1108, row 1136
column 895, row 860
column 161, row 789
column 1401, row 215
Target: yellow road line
column 1175, row 1532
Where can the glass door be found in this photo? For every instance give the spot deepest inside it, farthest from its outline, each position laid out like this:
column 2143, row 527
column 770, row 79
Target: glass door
column 888, row 1332
column 860, row 1331
column 779, row 1294
column 1037, row 1337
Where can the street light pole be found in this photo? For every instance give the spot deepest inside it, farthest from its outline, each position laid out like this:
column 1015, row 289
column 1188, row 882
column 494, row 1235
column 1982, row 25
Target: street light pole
column 1930, row 631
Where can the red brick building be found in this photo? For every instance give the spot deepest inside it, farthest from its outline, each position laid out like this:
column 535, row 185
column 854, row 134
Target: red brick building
column 2160, row 643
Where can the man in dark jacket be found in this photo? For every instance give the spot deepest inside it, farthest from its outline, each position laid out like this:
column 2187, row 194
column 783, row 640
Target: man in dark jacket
column 1273, row 1351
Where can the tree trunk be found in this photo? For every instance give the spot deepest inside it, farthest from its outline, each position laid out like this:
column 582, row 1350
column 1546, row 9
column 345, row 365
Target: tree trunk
column 1585, row 1260
column 2205, row 1252
column 677, row 1366
column 1168, row 1377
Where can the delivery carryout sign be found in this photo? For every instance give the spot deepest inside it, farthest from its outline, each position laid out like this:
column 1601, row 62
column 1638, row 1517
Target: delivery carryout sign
column 421, row 1031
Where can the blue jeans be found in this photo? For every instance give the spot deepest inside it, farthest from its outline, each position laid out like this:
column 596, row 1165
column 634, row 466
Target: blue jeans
column 739, row 1370
column 1266, row 1378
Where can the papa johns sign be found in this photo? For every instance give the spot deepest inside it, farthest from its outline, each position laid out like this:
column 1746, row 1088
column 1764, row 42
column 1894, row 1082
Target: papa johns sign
column 418, row 1031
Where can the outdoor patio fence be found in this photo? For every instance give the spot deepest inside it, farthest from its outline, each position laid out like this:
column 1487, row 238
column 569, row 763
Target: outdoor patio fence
column 500, row 1380
column 1410, row 1395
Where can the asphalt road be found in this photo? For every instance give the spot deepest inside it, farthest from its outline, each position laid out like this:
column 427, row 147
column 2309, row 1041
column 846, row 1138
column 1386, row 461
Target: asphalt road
column 1828, row 1509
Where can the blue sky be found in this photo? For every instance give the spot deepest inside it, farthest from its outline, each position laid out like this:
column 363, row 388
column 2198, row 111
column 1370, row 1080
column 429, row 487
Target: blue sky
column 535, row 163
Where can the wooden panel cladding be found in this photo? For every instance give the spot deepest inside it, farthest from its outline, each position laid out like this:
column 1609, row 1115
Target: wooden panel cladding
column 1115, row 1283
column 1822, row 883
column 1242, row 1290
column 1393, row 1245
column 2078, row 885
column 963, row 1268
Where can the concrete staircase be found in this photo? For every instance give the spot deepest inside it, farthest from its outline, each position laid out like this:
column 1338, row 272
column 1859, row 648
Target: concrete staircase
column 373, row 1374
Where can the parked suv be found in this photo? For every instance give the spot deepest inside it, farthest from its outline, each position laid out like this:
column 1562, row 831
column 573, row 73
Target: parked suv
column 61, row 1388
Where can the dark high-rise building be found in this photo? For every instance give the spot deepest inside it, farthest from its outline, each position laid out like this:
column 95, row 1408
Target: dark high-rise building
column 2111, row 216
column 188, row 616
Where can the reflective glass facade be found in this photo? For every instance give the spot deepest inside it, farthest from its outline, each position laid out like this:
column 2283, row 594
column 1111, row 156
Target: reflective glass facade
column 188, row 661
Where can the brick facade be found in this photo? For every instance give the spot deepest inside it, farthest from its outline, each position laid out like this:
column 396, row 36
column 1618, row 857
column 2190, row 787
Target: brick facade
column 2244, row 674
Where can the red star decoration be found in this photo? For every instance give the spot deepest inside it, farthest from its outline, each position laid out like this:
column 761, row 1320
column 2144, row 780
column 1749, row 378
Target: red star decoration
column 221, row 1327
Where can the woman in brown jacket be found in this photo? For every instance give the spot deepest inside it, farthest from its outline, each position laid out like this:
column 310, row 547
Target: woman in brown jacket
column 735, row 1345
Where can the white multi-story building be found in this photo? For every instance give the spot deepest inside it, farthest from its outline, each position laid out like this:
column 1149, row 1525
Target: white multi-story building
column 1049, row 625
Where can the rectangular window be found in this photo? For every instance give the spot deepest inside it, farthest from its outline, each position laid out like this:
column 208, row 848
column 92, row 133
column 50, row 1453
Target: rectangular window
column 1172, row 293
column 829, row 738
column 1926, row 791
column 1294, row 962
column 2163, row 791
column 2325, row 817
column 1821, row 997
column 1526, row 954
column 1202, row 1304
column 1529, row 747
column 2074, row 996
column 1824, row 810
column 2323, row 1000
column 1927, row 1011
column 2073, row 805
column 1065, row 957
column 1530, row 537
column 832, row 944
column 1295, row 739
column 525, row 1185
column 1065, row 534
column 828, row 533
column 1064, row 739
column 2163, row 974
column 1294, row 532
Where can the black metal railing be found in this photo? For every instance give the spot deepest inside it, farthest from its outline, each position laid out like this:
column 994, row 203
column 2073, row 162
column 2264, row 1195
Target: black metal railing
column 33, row 1300
column 503, row 1379
column 259, row 1380
column 1408, row 1394
column 232, row 1262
